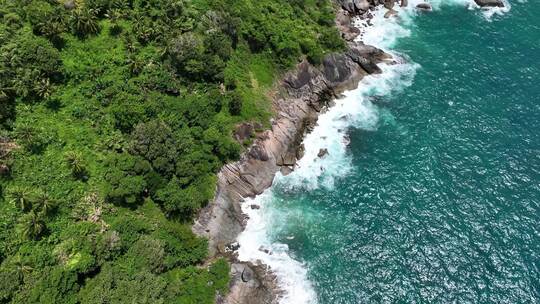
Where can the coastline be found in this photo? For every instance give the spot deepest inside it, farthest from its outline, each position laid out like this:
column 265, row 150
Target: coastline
column 302, row 94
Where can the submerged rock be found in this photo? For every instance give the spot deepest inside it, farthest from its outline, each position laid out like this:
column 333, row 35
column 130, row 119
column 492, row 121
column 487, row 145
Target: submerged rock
column 490, row 3
column 286, row 170
column 233, row 246
column 264, row 249
column 424, row 7
column 390, row 13
column 322, row 153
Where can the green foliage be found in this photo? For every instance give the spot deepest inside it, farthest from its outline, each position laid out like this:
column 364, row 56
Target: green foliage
column 29, row 66
column 84, row 21
column 125, row 178
column 114, row 285
column 118, row 115
column 47, row 19
column 155, row 142
column 31, row 226
column 75, row 162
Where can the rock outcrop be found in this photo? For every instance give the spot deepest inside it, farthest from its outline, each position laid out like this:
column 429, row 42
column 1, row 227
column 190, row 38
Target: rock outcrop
column 489, row 3
column 358, row 7
column 302, row 95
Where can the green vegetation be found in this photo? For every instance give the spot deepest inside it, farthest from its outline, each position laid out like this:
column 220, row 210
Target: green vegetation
column 115, row 116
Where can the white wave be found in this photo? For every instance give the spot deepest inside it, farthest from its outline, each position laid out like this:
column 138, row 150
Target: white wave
column 355, row 109
column 254, row 241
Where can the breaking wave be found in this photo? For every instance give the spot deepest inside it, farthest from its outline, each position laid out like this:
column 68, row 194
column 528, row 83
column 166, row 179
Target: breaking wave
column 355, row 109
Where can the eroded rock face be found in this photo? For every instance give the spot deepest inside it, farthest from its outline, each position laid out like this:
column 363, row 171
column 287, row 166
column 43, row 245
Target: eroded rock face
column 357, row 7
column 244, row 131
column 303, row 93
column 252, row 282
column 490, row 3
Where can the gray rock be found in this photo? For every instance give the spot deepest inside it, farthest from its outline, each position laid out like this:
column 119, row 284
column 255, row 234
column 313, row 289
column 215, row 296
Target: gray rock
column 264, row 249
column 322, row 153
column 233, row 246
column 286, row 170
column 424, row 7
column 289, row 159
column 490, row 3
column 253, row 206
column 247, row 274
column 244, row 131
column 294, row 103
column 300, row 151
column 303, row 77
column 389, row 4
column 335, row 67
column 390, row 13
column 348, row 5
column 69, row 4
column 361, row 5
column 259, row 153
column 404, row 3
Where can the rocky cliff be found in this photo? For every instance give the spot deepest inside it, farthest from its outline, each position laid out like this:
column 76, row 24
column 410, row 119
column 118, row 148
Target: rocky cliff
column 301, row 96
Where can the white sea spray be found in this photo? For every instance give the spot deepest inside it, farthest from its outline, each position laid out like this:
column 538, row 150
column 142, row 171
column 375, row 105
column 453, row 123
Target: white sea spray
column 356, row 110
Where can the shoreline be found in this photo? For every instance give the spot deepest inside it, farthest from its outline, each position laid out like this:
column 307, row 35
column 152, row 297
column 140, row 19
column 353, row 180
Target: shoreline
column 302, row 94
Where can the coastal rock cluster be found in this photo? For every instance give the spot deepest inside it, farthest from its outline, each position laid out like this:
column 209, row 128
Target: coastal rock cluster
column 301, row 96
column 489, row 3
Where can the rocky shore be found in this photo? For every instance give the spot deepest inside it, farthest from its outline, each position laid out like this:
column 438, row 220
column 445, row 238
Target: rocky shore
column 299, row 98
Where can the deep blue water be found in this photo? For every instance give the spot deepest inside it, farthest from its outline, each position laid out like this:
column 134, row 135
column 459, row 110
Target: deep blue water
column 442, row 203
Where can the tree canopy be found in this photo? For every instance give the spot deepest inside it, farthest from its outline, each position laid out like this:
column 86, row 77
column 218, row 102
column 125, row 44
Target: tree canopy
column 115, row 116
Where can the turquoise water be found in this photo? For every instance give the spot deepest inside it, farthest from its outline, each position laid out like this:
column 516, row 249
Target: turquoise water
column 441, row 201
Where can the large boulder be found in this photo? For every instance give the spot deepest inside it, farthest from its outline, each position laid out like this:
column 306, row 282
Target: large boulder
column 361, row 5
column 335, row 68
column 348, row 5
column 244, row 131
column 390, row 13
column 389, row 4
column 490, row 3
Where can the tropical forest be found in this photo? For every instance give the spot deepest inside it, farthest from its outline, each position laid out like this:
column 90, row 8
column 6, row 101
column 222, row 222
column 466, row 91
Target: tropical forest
column 115, row 117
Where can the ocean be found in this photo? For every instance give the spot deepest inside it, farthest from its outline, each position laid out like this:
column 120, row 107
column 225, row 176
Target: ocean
column 430, row 192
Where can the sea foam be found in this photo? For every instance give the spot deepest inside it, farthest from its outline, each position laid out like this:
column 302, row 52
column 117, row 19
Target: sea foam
column 354, row 109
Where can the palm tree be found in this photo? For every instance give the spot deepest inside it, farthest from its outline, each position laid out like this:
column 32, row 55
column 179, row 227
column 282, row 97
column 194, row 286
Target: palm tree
column 26, row 134
column 31, row 226
column 84, row 21
column 76, row 163
column 20, row 267
column 21, row 197
column 45, row 203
